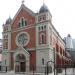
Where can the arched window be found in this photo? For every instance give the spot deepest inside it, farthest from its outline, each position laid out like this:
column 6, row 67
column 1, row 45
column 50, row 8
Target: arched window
column 43, row 61
column 45, row 27
column 41, row 27
column 6, row 45
column 20, row 57
column 22, row 22
column 57, row 48
column 42, row 38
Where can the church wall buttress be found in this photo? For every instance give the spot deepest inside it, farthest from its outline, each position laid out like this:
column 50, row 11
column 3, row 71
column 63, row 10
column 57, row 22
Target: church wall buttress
column 13, row 43
column 11, row 61
column 32, row 60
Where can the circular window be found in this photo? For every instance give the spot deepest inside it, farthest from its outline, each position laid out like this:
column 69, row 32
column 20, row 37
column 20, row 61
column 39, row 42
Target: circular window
column 22, row 39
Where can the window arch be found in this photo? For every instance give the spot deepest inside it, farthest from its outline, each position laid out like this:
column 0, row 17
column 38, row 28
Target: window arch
column 42, row 36
column 22, row 22
column 42, row 61
column 20, row 57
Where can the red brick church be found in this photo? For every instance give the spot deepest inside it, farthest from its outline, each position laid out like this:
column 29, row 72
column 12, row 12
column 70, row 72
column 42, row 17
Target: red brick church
column 30, row 40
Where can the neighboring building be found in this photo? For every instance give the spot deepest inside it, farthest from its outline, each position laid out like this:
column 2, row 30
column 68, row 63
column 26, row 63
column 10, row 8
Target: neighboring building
column 73, row 40
column 70, row 46
column 68, row 42
column 29, row 41
column 1, row 46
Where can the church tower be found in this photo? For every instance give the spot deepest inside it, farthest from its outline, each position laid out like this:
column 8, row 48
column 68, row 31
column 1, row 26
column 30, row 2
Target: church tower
column 44, row 51
column 43, row 20
column 6, row 42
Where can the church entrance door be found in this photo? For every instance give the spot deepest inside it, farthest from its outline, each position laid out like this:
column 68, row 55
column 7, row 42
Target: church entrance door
column 20, row 63
column 22, row 66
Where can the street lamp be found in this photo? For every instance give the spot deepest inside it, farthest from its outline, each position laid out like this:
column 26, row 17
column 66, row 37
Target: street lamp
column 65, row 61
column 47, row 69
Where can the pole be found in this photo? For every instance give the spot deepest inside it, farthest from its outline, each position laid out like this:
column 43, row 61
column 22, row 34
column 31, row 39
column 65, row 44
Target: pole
column 65, row 61
column 33, row 69
column 65, row 68
column 54, row 61
column 51, row 62
column 48, row 67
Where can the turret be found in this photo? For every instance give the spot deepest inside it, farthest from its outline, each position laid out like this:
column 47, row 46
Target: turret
column 7, row 33
column 44, row 14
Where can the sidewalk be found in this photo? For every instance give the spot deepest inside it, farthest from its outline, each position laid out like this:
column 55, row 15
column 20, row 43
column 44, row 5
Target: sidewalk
column 69, row 71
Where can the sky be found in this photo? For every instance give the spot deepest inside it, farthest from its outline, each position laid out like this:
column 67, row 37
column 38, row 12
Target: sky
column 63, row 13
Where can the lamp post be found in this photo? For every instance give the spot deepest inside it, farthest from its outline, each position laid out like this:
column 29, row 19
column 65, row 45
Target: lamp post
column 48, row 67
column 54, row 60
column 51, row 62
column 65, row 61
column 73, row 68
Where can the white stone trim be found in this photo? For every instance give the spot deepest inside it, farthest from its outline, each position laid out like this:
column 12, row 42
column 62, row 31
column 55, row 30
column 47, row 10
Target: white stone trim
column 28, row 49
column 21, row 50
column 23, row 28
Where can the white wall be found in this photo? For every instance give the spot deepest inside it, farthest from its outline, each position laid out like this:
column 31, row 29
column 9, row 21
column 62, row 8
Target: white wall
column 69, row 43
column 47, row 54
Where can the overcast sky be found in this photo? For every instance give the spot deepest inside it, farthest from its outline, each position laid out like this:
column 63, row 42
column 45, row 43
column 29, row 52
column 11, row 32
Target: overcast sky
column 63, row 13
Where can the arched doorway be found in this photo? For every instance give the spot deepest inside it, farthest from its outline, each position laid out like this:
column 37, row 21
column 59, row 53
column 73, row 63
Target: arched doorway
column 20, row 63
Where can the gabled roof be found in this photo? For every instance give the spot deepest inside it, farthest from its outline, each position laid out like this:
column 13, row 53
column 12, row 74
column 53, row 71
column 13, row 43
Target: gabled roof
column 25, row 8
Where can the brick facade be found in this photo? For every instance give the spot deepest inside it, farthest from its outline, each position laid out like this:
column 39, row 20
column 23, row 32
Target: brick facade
column 31, row 41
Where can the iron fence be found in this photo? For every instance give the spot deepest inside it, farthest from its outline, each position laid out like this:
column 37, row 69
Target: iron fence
column 65, row 69
column 4, row 69
column 32, row 70
column 45, row 70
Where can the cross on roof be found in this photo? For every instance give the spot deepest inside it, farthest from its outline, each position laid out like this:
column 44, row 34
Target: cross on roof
column 23, row 1
column 43, row 1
